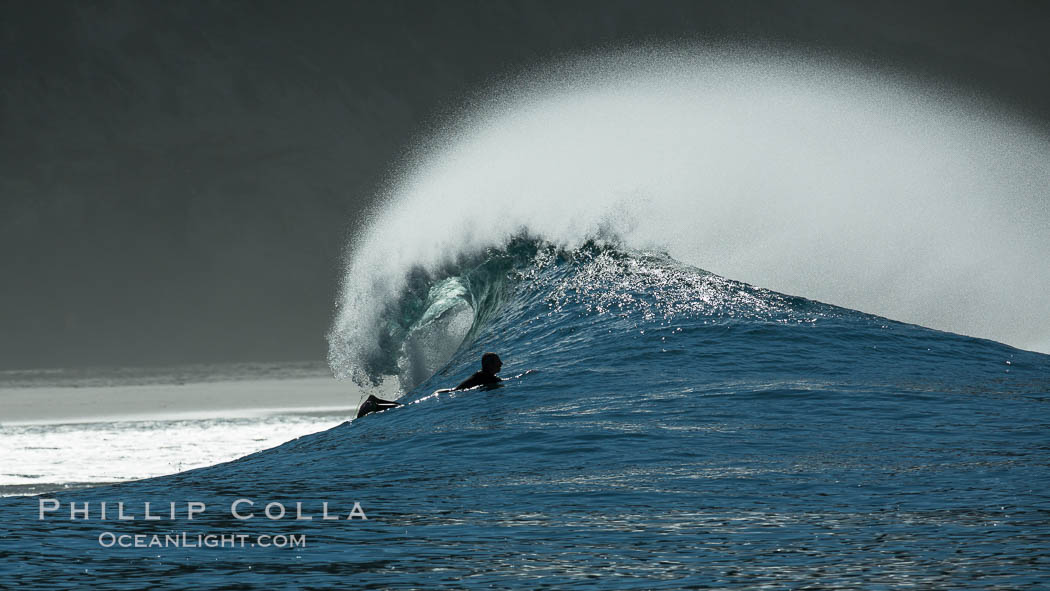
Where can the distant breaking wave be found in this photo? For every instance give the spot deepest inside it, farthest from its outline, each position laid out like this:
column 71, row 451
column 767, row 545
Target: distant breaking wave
column 790, row 172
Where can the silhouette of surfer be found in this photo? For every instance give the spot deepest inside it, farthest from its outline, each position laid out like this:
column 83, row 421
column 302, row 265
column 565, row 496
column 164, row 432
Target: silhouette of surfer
column 490, row 366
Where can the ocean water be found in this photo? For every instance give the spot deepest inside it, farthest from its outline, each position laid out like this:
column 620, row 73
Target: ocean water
column 663, row 426
column 678, row 430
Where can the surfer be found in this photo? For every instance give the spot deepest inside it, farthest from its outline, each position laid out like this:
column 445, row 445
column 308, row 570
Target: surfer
column 490, row 366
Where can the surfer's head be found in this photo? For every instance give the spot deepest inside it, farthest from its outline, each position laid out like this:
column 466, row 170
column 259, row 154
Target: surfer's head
column 491, row 363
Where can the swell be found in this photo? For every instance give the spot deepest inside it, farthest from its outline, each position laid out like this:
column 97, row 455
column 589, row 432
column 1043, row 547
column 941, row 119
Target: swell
column 607, row 306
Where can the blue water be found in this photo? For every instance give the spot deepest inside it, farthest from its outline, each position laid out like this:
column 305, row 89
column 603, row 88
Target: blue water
column 679, row 430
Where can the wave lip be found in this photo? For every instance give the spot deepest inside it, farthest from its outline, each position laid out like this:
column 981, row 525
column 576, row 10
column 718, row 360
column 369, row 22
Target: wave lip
column 408, row 328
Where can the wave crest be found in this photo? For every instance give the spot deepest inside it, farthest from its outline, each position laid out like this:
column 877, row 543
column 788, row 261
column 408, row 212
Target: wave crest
column 787, row 171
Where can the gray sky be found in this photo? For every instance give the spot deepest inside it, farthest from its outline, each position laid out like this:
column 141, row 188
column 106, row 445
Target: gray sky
column 178, row 179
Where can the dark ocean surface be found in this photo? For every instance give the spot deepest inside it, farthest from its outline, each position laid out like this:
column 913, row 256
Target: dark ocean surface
column 679, row 430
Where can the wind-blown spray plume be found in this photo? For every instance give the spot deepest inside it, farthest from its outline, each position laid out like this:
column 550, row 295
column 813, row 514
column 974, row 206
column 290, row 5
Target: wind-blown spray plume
column 794, row 173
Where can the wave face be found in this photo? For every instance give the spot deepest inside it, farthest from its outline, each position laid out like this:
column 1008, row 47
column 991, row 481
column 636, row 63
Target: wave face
column 680, row 430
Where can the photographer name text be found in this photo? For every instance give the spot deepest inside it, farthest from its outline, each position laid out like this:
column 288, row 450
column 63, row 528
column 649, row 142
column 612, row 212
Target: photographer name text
column 241, row 509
